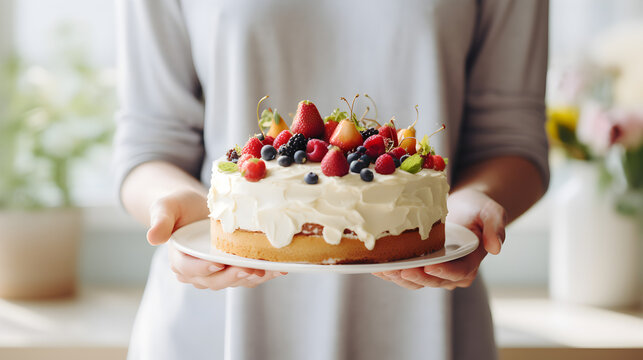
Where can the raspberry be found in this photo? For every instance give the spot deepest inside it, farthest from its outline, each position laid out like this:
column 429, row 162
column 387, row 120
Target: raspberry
column 375, row 146
column 253, row 147
column 385, row 164
column 428, row 162
column 368, row 133
column 254, row 169
column 438, row 162
column 398, row 152
column 316, row 149
column 282, row 139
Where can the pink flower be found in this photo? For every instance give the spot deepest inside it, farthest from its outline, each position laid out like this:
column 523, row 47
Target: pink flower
column 627, row 128
column 594, row 126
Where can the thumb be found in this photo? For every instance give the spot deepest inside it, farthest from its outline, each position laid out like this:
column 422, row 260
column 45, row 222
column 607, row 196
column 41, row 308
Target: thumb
column 163, row 216
column 494, row 218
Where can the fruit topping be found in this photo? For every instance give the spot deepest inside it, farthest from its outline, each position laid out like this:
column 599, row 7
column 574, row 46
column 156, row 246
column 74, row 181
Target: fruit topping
column 253, row 147
column 368, row 133
column 388, row 131
column 409, row 135
column 268, row 152
column 428, row 162
column 404, row 157
column 346, row 136
column 352, row 157
column 412, row 164
column 308, row 121
column 366, row 174
column 361, row 149
column 296, row 142
column 438, row 162
column 232, row 155
column 243, row 159
column 334, row 163
column 357, row 166
column 375, row 146
column 268, row 140
column 284, row 160
column 270, row 119
column 331, row 121
column 397, row 152
column 385, row 164
column 282, row 139
column 367, row 159
column 396, row 161
column 311, row 178
column 316, row 149
column 300, row 156
column 227, row 167
column 253, row 169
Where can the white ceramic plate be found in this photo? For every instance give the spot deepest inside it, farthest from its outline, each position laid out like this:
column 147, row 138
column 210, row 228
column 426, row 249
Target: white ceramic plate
column 194, row 239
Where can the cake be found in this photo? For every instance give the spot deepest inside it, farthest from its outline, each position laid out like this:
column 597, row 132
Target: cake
column 315, row 193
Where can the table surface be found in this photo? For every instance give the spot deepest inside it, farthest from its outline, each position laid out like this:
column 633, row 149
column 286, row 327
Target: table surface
column 525, row 318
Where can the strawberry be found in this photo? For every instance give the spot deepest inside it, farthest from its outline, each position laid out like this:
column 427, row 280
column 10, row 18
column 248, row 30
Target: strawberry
column 398, row 152
column 428, row 162
column 308, row 121
column 329, row 128
column 346, row 136
column 438, row 162
column 316, row 149
column 388, row 131
column 253, row 147
column 334, row 163
column 385, row 164
column 254, row 169
column 268, row 140
column 281, row 139
column 243, row 159
column 375, row 146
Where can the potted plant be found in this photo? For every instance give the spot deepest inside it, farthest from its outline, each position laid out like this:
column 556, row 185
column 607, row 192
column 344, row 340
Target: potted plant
column 48, row 123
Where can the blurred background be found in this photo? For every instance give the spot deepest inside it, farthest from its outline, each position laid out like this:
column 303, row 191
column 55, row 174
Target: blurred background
column 73, row 265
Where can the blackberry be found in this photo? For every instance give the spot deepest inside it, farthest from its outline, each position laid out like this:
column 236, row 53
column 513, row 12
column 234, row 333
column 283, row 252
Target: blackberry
column 296, row 142
column 232, row 155
column 368, row 133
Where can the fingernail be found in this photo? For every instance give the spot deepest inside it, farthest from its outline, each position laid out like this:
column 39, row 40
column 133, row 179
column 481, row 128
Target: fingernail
column 434, row 272
column 254, row 277
column 242, row 274
column 215, row 268
column 283, row 273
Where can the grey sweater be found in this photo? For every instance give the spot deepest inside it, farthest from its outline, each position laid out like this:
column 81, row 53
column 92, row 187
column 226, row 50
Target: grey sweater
column 191, row 73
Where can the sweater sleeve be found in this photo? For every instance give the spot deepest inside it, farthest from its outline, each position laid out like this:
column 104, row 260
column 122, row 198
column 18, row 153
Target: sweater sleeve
column 161, row 113
column 507, row 64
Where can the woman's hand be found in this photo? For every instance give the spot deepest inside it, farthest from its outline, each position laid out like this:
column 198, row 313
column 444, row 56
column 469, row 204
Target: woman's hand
column 479, row 213
column 178, row 209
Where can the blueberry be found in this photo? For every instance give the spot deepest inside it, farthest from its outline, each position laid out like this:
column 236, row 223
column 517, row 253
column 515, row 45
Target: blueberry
column 404, row 157
column 365, row 158
column 261, row 137
column 268, row 152
column 361, row 149
column 284, row 160
column 300, row 156
column 366, row 175
column 396, row 161
column 311, row 178
column 357, row 166
column 352, row 157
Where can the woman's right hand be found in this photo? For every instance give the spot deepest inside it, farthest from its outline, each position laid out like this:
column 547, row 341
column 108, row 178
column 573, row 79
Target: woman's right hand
column 178, row 209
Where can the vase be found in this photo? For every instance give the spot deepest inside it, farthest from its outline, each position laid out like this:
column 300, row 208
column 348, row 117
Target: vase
column 39, row 252
column 594, row 250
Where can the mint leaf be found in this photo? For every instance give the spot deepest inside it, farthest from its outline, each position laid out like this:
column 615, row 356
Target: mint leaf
column 336, row 116
column 425, row 148
column 228, row 167
column 276, row 116
column 238, row 149
column 412, row 164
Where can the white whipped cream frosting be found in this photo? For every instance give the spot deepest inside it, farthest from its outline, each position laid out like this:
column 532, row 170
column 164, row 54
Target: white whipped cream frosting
column 282, row 202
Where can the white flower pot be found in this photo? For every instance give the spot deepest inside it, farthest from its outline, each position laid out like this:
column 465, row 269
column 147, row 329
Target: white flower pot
column 38, row 252
column 595, row 251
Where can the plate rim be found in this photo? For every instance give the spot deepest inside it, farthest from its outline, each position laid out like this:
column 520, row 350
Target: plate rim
column 469, row 246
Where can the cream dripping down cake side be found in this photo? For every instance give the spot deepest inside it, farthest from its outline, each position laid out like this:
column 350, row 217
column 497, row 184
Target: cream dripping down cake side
column 329, row 191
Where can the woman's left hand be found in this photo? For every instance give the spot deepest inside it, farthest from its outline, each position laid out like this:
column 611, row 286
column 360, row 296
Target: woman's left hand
column 479, row 213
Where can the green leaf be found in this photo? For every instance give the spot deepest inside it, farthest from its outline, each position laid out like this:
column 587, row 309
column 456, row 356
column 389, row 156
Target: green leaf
column 425, row 148
column 446, row 161
column 336, row 116
column 228, row 167
column 412, row 164
column 265, row 118
column 238, row 149
column 277, row 117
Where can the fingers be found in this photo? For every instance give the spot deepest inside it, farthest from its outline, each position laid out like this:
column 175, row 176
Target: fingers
column 172, row 212
column 162, row 220
column 188, row 265
column 494, row 219
column 459, row 269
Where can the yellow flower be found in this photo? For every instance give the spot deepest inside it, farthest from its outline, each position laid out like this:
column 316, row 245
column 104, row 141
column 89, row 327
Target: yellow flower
column 565, row 117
